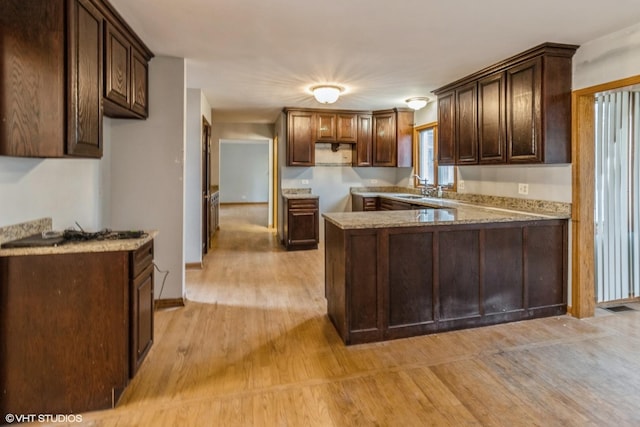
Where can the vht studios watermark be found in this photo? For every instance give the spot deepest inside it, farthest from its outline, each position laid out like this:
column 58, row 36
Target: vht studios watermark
column 42, row 418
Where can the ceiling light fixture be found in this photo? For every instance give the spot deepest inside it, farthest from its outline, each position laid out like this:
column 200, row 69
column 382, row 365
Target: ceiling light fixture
column 417, row 102
column 326, row 94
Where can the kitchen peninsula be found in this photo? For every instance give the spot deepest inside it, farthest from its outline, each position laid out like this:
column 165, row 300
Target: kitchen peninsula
column 401, row 273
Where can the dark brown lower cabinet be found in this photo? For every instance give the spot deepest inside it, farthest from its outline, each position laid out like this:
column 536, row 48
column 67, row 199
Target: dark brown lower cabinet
column 74, row 328
column 141, row 308
column 392, row 283
column 301, row 223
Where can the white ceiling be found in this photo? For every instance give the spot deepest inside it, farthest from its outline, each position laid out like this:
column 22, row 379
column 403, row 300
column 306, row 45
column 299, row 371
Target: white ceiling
column 251, row 58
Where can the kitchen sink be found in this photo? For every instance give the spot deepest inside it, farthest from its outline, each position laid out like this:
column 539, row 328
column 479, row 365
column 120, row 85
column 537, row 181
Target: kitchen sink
column 412, row 196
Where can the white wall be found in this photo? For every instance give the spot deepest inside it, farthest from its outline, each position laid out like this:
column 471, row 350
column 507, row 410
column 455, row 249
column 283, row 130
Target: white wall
column 67, row 190
column 237, row 131
column 197, row 107
column 249, row 183
column 609, row 58
column 147, row 187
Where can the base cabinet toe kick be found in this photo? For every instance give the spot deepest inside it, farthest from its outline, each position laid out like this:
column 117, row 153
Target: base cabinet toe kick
column 388, row 283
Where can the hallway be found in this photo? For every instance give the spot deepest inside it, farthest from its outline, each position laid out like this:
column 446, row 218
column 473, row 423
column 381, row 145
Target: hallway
column 253, row 347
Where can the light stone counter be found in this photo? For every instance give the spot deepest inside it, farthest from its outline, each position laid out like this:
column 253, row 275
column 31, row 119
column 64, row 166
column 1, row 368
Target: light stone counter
column 29, row 228
column 449, row 215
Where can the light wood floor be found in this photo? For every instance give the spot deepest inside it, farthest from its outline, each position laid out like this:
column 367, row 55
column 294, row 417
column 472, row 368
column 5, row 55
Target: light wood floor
column 253, row 347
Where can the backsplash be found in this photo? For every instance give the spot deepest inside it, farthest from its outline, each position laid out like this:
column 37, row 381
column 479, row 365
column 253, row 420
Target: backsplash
column 25, row 229
column 326, row 157
column 541, row 206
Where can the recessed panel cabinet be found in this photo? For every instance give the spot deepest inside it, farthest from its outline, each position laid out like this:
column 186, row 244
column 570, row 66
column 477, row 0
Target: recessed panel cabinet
column 126, row 77
column 379, row 138
column 301, row 223
column 52, row 75
column 519, row 110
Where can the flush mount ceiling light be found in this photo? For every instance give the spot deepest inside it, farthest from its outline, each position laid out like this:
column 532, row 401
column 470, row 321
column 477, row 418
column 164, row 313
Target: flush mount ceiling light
column 417, row 102
column 326, row 94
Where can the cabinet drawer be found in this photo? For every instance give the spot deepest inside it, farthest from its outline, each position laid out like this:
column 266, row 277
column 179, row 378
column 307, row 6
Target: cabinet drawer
column 141, row 259
column 370, row 203
column 303, row 204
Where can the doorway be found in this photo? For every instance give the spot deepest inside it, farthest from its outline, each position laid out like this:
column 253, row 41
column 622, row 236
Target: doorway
column 617, row 185
column 246, row 174
column 583, row 290
column 206, row 186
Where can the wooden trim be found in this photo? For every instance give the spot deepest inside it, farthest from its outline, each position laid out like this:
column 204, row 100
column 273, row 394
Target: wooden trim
column 276, row 177
column 161, row 304
column 194, row 265
column 583, row 286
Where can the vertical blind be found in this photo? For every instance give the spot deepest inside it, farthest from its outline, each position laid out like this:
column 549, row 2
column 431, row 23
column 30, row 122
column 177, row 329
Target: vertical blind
column 617, row 205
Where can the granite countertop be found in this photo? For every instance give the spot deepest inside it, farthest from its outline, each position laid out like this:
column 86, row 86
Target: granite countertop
column 437, row 212
column 300, row 196
column 25, row 229
column 90, row 246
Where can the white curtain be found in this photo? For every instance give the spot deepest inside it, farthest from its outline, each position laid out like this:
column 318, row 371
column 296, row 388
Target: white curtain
column 617, row 199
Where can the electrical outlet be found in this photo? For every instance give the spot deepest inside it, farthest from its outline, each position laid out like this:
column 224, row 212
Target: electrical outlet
column 460, row 185
column 523, row 188
column 373, row 181
column 305, row 182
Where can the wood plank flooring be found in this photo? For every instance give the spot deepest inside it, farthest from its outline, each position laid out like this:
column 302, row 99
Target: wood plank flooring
column 253, row 347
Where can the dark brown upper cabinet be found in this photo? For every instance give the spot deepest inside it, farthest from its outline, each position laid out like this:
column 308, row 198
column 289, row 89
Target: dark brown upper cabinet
column 52, row 77
column 521, row 106
column 300, row 138
column 393, row 138
column 126, row 72
column 381, row 138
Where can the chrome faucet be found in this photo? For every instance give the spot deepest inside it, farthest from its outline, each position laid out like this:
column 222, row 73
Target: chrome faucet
column 422, row 183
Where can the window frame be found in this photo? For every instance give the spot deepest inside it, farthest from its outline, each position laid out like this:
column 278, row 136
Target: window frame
column 416, row 152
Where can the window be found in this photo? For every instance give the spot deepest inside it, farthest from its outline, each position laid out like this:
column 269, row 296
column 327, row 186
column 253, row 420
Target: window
column 427, row 155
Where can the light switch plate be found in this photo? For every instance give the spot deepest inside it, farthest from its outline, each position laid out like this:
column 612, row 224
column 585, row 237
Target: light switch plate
column 460, row 185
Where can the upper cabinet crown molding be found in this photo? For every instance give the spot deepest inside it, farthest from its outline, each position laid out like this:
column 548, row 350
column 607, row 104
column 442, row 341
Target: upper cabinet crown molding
column 55, row 81
column 515, row 111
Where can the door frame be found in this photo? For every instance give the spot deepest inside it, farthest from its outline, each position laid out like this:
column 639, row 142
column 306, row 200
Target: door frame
column 206, row 185
column 583, row 287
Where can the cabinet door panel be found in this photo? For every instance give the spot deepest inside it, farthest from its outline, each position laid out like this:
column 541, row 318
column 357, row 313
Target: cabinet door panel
column 446, row 129
column 346, row 128
column 545, row 264
column 502, row 270
column 410, row 279
column 141, row 318
column 466, row 124
column 139, row 83
column 459, row 274
column 32, row 33
column 325, row 127
column 303, row 227
column 384, row 139
column 491, row 117
column 524, row 121
column 364, row 144
column 300, row 143
column 117, row 67
column 84, row 130
column 363, row 283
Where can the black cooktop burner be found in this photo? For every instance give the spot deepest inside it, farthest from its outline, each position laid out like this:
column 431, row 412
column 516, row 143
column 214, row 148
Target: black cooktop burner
column 67, row 236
